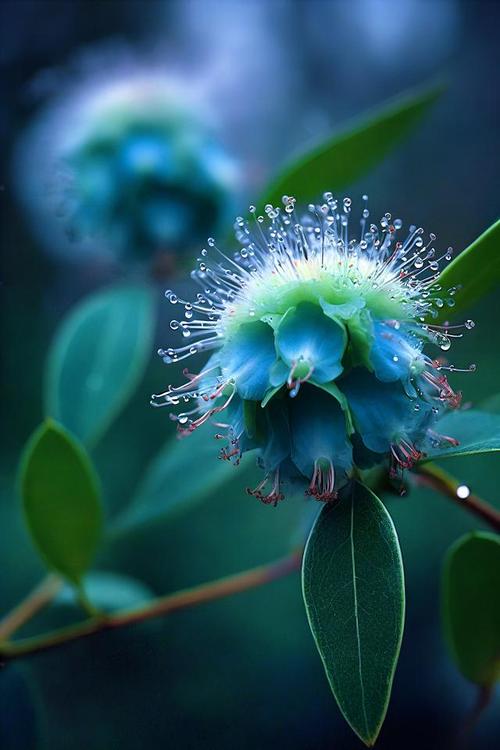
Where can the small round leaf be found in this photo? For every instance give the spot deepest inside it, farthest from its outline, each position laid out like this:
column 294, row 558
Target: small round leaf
column 61, row 499
column 471, row 605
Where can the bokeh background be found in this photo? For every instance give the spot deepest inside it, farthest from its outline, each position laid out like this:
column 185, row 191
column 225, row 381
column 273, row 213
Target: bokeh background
column 270, row 78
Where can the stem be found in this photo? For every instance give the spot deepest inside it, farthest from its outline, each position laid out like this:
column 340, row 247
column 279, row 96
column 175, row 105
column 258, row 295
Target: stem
column 206, row 592
column 439, row 480
column 484, row 694
column 28, row 608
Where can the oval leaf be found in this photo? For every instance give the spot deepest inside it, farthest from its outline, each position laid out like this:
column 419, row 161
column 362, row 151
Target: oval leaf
column 476, row 271
column 97, row 359
column 476, row 432
column 471, row 605
column 61, row 500
column 354, row 594
column 340, row 160
column 185, row 472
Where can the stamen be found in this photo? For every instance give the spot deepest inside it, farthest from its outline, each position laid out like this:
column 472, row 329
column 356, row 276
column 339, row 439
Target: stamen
column 322, row 485
column 274, row 495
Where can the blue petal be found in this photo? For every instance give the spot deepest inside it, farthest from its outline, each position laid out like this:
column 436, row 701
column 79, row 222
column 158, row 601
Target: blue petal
column 382, row 412
column 363, row 457
column 307, row 334
column 279, row 373
column 248, row 357
column 277, row 446
column 318, row 431
column 394, row 353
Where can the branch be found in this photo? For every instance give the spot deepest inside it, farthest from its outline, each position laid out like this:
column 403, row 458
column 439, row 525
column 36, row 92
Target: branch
column 206, row 592
column 483, row 699
column 439, row 480
column 42, row 595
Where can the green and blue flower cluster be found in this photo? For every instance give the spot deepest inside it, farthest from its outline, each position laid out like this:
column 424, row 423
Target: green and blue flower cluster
column 319, row 363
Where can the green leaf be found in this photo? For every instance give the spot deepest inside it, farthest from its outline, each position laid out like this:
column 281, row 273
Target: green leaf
column 491, row 404
column 476, row 271
column 108, row 592
column 61, row 500
column 97, row 359
column 340, row 160
column 471, row 605
column 184, row 473
column 477, row 432
column 354, row 594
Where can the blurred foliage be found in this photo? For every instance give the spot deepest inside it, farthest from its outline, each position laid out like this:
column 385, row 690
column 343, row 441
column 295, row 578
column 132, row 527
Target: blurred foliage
column 98, row 358
column 61, row 501
column 471, row 606
column 242, row 671
column 347, row 156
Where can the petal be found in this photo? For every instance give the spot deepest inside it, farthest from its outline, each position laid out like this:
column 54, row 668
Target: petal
column 363, row 457
column 361, row 337
column 307, row 334
column 318, row 431
column 277, row 445
column 381, row 411
column 247, row 359
column 345, row 310
column 394, row 353
column 279, row 373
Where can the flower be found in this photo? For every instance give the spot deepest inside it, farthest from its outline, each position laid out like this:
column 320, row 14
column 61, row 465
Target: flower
column 318, row 344
column 144, row 172
column 131, row 165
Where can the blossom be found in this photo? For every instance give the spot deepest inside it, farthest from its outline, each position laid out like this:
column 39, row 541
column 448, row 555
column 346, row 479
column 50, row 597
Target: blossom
column 317, row 344
column 130, row 165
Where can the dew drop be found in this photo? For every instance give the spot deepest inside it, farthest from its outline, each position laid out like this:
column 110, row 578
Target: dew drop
column 469, row 324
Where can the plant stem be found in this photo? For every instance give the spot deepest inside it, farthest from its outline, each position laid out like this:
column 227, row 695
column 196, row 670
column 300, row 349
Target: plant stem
column 433, row 476
column 206, row 592
column 483, row 698
column 28, row 608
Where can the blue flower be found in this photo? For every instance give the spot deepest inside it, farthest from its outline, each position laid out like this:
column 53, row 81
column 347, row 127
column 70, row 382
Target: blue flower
column 133, row 170
column 320, row 365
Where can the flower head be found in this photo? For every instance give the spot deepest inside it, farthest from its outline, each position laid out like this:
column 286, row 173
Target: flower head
column 130, row 164
column 318, row 345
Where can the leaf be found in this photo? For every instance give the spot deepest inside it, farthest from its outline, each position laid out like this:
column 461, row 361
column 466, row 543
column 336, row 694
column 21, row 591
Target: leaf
column 97, row 359
column 108, row 592
column 477, row 432
column 184, row 473
column 340, row 160
column 61, row 500
column 491, row 404
column 354, row 595
column 476, row 271
column 471, row 605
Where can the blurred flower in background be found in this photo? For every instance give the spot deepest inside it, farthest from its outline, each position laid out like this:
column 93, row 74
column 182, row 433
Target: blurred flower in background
column 125, row 162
